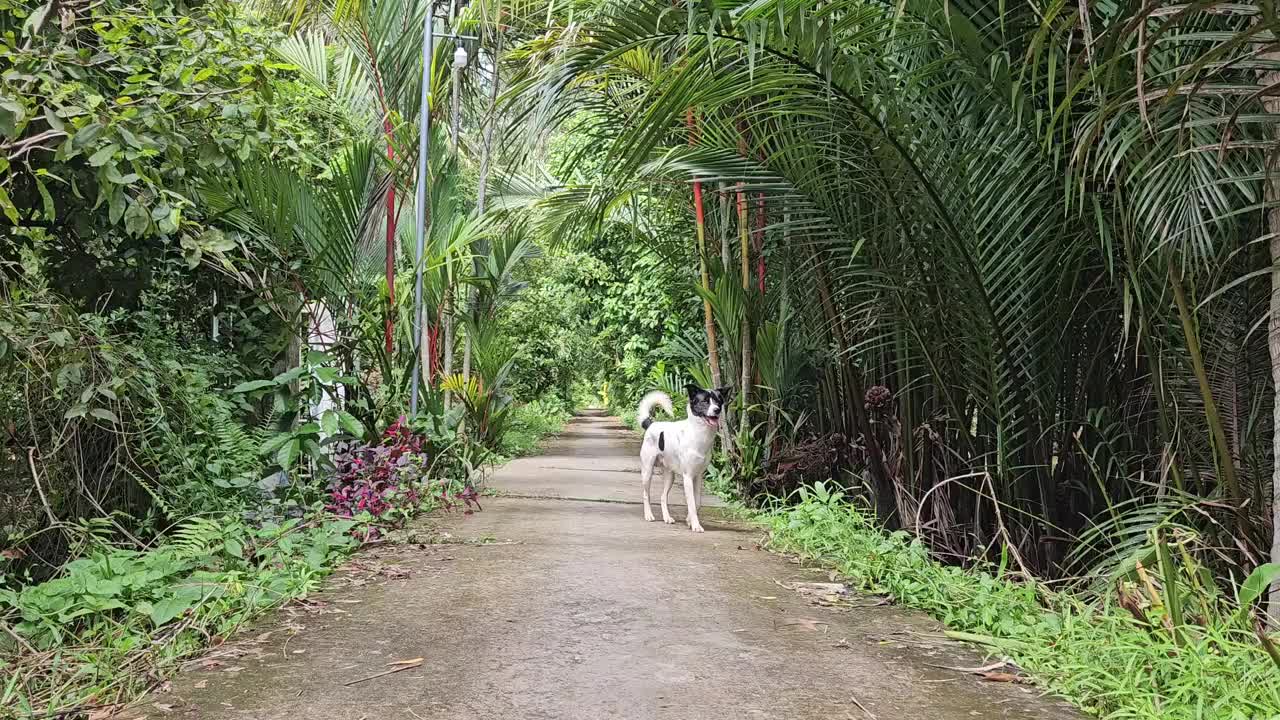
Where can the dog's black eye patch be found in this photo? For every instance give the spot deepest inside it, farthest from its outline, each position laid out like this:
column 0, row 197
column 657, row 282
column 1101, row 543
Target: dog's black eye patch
column 700, row 403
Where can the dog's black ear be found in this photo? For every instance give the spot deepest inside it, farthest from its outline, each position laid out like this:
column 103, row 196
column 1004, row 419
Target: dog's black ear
column 692, row 389
column 725, row 393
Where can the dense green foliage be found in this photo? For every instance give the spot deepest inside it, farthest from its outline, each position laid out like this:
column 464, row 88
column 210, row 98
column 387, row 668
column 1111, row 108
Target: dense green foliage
column 1095, row 654
column 1003, row 273
column 202, row 358
column 116, row 618
column 946, row 258
column 1000, row 273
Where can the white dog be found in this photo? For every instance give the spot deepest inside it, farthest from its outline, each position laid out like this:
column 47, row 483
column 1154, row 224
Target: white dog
column 682, row 447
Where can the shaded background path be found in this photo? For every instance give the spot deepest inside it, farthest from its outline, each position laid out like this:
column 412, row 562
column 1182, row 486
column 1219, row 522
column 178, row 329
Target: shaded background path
column 577, row 608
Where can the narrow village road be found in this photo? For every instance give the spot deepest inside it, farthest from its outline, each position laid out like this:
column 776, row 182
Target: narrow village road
column 559, row 601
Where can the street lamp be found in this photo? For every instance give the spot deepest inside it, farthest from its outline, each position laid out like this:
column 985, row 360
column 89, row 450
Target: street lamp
column 424, row 146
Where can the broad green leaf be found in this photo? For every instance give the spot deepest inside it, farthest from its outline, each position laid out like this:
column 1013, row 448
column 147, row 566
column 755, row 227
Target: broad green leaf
column 289, row 376
column 35, row 21
column 86, row 135
column 129, row 137
column 10, row 210
column 103, row 155
column 104, row 414
column 329, row 422
column 136, row 220
column 50, row 211
column 11, row 115
column 288, row 453
column 1258, row 582
column 351, row 424
column 167, row 609
column 251, row 385
column 307, row 429
column 118, row 204
column 275, row 443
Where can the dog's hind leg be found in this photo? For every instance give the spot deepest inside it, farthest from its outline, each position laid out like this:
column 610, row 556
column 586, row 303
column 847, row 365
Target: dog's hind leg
column 691, row 503
column 647, row 459
column 667, row 481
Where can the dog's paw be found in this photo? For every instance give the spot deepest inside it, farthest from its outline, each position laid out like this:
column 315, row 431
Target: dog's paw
column 648, row 516
column 669, row 520
column 696, row 528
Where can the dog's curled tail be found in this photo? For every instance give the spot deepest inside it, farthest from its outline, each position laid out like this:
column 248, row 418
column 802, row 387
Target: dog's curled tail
column 647, row 403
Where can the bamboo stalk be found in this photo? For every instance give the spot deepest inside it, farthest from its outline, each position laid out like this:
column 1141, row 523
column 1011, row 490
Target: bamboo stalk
column 744, row 241
column 1226, row 468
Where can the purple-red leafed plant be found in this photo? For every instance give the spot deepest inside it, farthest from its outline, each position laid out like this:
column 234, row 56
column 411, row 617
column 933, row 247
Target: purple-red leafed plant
column 387, row 483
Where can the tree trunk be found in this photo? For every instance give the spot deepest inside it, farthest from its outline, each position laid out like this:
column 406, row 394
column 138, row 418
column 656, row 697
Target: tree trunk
column 713, row 355
column 744, row 242
column 1273, row 345
column 1272, row 105
column 447, row 351
column 1226, row 467
column 482, row 192
column 726, row 261
column 455, row 124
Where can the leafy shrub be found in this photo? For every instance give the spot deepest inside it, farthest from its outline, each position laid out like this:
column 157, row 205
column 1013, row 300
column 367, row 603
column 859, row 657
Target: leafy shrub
column 115, row 618
column 530, row 423
column 388, row 483
column 115, row 416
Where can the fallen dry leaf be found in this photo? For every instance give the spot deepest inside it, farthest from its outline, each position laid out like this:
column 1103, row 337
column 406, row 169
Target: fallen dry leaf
column 201, row 685
column 396, row 666
column 163, row 707
column 211, row 664
column 415, row 662
column 816, row 589
column 234, row 669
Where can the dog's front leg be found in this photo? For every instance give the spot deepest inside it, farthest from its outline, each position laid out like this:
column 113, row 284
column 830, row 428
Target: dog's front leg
column 668, row 479
column 691, row 502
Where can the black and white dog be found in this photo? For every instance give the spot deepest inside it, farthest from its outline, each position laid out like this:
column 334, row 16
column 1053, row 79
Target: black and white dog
column 682, row 447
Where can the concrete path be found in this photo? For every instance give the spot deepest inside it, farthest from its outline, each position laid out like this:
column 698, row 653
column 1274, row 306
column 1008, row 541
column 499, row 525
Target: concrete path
column 576, row 608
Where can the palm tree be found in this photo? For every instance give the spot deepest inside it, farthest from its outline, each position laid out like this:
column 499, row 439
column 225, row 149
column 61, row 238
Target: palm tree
column 1014, row 277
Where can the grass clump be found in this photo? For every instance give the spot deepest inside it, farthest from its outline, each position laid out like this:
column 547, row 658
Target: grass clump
column 530, row 424
column 1118, row 661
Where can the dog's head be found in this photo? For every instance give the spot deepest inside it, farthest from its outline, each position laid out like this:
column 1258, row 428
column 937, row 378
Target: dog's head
column 706, row 405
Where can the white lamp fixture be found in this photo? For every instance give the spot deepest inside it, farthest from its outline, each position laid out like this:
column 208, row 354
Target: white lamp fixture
column 460, row 58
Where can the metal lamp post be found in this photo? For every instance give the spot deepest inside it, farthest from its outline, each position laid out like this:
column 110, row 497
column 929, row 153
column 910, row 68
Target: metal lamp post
column 424, row 148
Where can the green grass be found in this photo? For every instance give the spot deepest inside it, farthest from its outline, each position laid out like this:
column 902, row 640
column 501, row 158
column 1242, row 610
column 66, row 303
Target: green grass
column 1091, row 652
column 116, row 620
column 530, row 424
